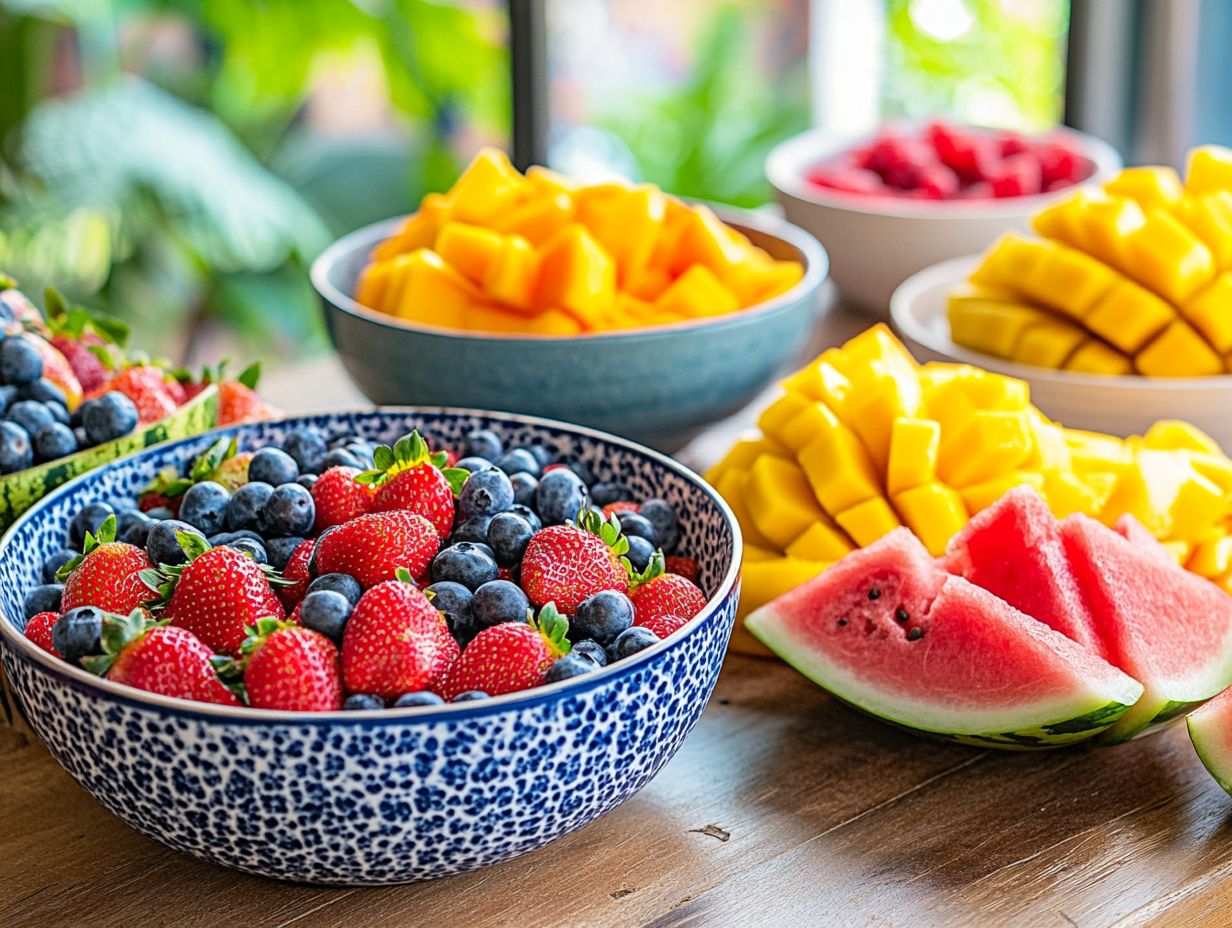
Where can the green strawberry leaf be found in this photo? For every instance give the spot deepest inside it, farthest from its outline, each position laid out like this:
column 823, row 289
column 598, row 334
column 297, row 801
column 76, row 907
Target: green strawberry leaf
column 457, row 477
column 554, row 627
column 656, row 567
column 7, row 282
column 403, row 574
column 407, row 452
column 106, row 534
column 251, row 375
column 119, row 631
column 192, row 545
column 54, row 303
column 383, row 457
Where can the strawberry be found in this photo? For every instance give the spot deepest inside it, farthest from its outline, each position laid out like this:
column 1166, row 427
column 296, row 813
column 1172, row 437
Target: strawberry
column 662, row 625
column 509, row 657
column 158, row 658
column 565, row 564
column 396, row 641
column 296, row 571
column 656, row 593
column 146, row 386
column 681, row 564
column 238, row 402
column 87, row 366
column 38, row 630
column 371, row 547
column 88, row 341
column 57, row 369
column 289, row 667
column 107, row 574
column 216, row 595
column 339, row 497
column 409, row 476
column 621, row 505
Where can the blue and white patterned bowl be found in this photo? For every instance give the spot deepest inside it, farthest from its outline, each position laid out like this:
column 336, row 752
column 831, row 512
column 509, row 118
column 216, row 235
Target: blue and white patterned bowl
column 387, row 796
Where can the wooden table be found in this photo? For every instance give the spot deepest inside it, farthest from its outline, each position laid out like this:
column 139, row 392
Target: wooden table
column 782, row 808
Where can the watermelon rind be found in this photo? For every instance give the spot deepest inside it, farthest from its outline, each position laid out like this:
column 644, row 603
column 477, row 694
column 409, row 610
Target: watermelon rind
column 1210, row 736
column 1079, row 715
column 21, row 490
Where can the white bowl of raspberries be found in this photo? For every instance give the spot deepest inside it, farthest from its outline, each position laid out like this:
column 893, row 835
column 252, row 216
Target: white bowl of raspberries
column 914, row 195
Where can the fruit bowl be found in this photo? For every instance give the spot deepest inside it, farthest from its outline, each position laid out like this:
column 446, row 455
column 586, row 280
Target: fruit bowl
column 658, row 385
column 1121, row 405
column 875, row 243
column 378, row 796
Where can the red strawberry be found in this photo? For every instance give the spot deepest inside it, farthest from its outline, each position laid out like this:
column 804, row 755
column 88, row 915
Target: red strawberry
column 621, row 505
column 339, row 497
column 371, row 547
column 217, row 594
column 293, row 668
column 509, row 657
column 662, row 625
column 296, row 570
column 396, row 641
column 146, row 386
column 565, row 564
column 88, row 341
column 107, row 574
column 682, row 565
column 87, row 366
column 409, row 476
column 57, row 369
column 158, row 658
column 656, row 593
column 38, row 630
column 238, row 402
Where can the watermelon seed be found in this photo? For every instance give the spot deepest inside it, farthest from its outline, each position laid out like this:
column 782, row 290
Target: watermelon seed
column 915, row 634
column 842, row 622
column 901, row 614
column 874, row 594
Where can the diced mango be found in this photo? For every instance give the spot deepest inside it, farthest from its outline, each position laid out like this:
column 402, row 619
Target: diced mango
column 873, row 405
column 704, row 240
column 1212, row 556
column 953, row 396
column 1165, row 256
column 1179, row 351
column 480, row 317
column 741, row 456
column 914, row 446
column 1094, row 357
column 430, row 291
column 1214, row 467
column 1175, row 435
column 1210, row 312
column 488, row 187
column 419, row 230
column 1049, row 343
column 752, row 554
column 576, row 274
column 1150, row 489
column 553, row 322
column 990, row 444
column 1064, row 221
column 1015, row 263
column 763, row 581
column 470, row 250
column 804, row 426
column 697, row 293
column 874, row 344
column 538, row 219
column 731, row 487
column 838, row 468
column 373, row 282
column 1153, row 187
column 1210, row 218
column 1068, row 493
column 979, row 496
column 626, row 224
column 1178, row 550
column 1209, row 168
column 1129, row 316
column 992, row 327
column 821, row 541
column 512, row 275
column 1105, row 224
column 780, row 501
column 774, row 418
column 868, row 521
column 934, row 512
column 1049, row 450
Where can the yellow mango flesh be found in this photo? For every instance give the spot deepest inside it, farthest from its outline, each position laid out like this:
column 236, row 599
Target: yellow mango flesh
column 868, row 521
column 934, row 512
column 914, row 446
column 779, row 498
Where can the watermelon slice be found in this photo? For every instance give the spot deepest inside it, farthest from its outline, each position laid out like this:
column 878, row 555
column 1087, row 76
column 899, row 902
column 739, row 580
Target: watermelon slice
column 1210, row 730
column 1013, row 549
column 889, row 632
column 1141, row 538
column 1168, row 628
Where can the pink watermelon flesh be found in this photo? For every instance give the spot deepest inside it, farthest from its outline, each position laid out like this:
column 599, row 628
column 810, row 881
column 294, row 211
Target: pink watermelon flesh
column 1138, row 535
column 1210, row 730
column 1013, row 549
column 1165, row 626
column 887, row 630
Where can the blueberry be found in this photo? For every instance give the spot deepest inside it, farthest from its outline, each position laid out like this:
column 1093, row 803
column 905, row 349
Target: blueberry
column 162, row 545
column 470, row 696
column 44, row 391
column 473, row 529
column 289, row 511
column 542, row 454
column 630, row 641
column 560, row 497
column 54, row 441
column 20, row 361
column 16, row 453
column 590, row 648
column 341, row 439
column 88, row 519
column 327, row 612
column 363, row 701
column 308, row 481
column 602, row 616
column 340, row 457
column 307, row 447
column 424, row 698
column 31, row 415
column 273, row 466
column 254, row 549
column 467, row 563
column 159, row 513
column 52, row 565
column 45, row 598
column 608, row 492
column 524, row 488
column 205, row 506
column 60, row 414
column 473, row 464
column 362, row 451
column 499, row 601
column 485, row 493
column 108, row 417
column 279, row 550
column 571, row 665
column 639, row 553
column 343, row 584
column 226, row 538
column 8, row 395
column 133, row 527
column 78, row 633
column 580, row 469
column 531, row 517
column 246, row 505
column 452, row 599
column 484, row 444
column 519, row 461
column 660, row 513
column 508, row 535
column 633, row 524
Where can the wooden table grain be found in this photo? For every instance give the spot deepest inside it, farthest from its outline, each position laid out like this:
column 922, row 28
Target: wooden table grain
column 782, row 808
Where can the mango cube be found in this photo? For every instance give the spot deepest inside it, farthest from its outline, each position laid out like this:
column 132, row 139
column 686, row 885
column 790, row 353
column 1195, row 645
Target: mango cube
column 992, row 327
column 488, row 187
column 697, row 293
column 732, row 486
column 430, row 291
column 762, row 581
column 626, row 223
column 1212, row 556
column 1210, row 218
column 513, row 273
column 821, row 541
column 1068, row 493
column 914, row 446
column 538, row 219
column 418, row 231
column 934, row 512
column 1210, row 312
column 775, row 417
column 1129, row 316
column 1049, row 343
column 576, row 274
column 373, row 283
column 979, row 496
column 1105, row 224
column 1179, row 351
column 838, row 468
column 1152, row 187
column 753, row 553
column 1175, row 435
column 1165, row 256
column 868, row 521
column 1209, row 169
column 780, row 501
column 990, row 444
column 1094, row 357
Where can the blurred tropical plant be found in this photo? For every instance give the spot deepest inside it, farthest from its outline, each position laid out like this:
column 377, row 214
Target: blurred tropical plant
column 160, row 157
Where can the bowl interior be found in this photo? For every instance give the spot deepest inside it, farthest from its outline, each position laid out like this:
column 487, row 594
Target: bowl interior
column 708, row 530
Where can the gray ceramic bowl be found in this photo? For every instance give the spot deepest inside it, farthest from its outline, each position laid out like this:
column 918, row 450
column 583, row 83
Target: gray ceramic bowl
column 659, row 385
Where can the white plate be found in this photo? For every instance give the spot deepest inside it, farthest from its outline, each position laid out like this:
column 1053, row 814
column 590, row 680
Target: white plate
column 1117, row 405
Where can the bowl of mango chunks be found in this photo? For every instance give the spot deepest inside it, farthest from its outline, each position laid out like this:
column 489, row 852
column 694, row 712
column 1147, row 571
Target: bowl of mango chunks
column 611, row 305
column 1117, row 310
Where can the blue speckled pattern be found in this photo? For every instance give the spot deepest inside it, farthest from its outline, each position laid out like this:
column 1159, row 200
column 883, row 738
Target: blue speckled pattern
column 377, row 797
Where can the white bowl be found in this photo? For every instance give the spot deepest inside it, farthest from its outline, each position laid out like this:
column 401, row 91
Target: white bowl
column 875, row 243
column 1117, row 405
